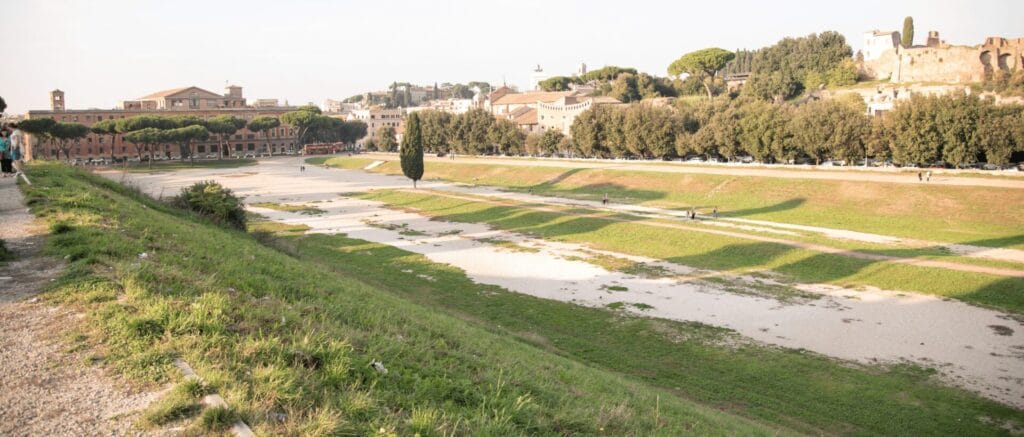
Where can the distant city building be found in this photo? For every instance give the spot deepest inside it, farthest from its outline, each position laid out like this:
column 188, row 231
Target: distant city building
column 340, row 107
column 177, row 102
column 561, row 113
column 190, row 98
column 377, row 117
column 265, row 103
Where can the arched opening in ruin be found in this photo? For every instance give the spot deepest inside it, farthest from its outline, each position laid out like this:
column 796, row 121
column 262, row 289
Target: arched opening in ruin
column 986, row 61
column 1005, row 62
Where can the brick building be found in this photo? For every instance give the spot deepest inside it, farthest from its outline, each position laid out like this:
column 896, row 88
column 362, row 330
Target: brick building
column 176, row 102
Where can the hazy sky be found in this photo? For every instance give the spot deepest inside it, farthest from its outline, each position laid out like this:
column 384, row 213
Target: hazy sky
column 101, row 52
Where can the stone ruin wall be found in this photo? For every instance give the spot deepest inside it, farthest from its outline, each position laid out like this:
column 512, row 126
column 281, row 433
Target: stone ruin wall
column 947, row 64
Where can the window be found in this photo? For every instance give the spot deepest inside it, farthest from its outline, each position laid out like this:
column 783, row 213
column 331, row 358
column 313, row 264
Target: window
column 200, row 149
column 252, row 146
column 101, row 140
column 238, row 147
column 99, row 118
column 250, row 136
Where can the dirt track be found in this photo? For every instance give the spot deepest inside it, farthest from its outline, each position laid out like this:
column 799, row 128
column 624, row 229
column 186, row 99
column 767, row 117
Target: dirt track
column 44, row 389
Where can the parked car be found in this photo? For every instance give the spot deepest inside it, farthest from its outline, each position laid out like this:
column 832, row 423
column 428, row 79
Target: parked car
column 695, row 159
column 250, row 155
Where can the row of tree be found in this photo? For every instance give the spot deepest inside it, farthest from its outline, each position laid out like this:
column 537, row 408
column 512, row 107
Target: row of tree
column 474, row 132
column 145, row 132
column 959, row 130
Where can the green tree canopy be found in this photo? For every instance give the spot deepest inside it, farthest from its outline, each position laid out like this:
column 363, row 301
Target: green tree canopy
column 705, row 64
column 908, row 32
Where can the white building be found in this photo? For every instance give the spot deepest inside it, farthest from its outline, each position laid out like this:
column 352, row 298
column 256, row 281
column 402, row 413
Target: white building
column 376, row 118
column 877, row 42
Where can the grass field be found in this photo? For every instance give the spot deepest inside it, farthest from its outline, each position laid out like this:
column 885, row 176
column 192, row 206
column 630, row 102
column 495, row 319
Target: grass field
column 184, row 165
column 289, row 342
column 792, row 389
column 717, row 252
column 980, row 216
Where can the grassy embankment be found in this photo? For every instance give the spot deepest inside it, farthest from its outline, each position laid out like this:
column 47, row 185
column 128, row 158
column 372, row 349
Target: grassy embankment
column 288, row 342
column 715, row 252
column 793, row 389
column 980, row 216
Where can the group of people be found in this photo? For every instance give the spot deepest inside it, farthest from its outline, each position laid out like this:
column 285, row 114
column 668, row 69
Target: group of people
column 926, row 176
column 11, row 150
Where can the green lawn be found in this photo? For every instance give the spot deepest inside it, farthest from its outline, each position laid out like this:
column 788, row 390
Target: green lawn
column 185, row 165
column 971, row 215
column 793, row 389
column 289, row 342
column 349, row 163
column 717, row 252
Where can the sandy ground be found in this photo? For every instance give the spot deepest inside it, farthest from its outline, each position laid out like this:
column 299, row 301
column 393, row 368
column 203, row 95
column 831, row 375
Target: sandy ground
column 939, row 177
column 969, row 346
column 45, row 389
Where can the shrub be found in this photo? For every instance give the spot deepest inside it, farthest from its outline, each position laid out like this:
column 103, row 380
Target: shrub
column 213, row 201
column 5, row 254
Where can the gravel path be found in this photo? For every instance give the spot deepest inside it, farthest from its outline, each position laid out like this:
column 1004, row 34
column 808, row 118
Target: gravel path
column 44, row 389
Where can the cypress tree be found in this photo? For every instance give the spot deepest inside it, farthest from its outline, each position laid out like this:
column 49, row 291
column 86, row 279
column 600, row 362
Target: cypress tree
column 908, row 32
column 411, row 152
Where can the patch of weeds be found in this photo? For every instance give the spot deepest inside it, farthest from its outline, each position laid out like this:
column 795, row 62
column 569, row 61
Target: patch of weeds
column 508, row 245
column 781, row 292
column 624, row 305
column 614, row 288
column 645, row 270
column 181, row 403
column 218, row 418
column 300, row 209
column 403, row 229
column 1001, row 330
column 450, row 232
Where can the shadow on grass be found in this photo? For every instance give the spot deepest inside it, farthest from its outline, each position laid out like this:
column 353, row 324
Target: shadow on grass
column 781, row 206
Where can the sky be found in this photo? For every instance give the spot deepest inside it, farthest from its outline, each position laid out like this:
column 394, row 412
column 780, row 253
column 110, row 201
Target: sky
column 102, row 52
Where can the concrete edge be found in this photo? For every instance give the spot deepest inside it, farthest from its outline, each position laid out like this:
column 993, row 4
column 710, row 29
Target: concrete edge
column 240, row 429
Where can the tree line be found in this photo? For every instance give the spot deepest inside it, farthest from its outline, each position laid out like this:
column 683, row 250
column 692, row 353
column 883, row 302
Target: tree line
column 146, row 132
column 957, row 129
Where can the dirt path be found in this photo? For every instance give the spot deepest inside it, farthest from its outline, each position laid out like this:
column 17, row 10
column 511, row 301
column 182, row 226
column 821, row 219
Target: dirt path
column 938, row 178
column 45, row 390
column 975, row 348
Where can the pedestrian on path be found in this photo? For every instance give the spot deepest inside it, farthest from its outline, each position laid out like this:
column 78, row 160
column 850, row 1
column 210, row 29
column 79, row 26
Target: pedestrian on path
column 605, row 200
column 919, row 176
column 714, row 213
column 929, row 177
column 693, row 214
column 5, row 154
column 17, row 147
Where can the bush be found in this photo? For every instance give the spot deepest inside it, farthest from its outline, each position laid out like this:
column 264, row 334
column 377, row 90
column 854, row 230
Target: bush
column 5, row 254
column 213, row 201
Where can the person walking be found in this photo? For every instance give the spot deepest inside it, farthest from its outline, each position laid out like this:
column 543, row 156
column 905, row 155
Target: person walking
column 919, row 176
column 5, row 154
column 714, row 213
column 928, row 178
column 605, row 200
column 17, row 140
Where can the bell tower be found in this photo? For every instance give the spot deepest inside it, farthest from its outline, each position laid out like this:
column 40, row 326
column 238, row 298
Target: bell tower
column 57, row 100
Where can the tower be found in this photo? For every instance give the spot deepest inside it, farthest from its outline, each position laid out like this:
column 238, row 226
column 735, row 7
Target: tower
column 57, row 100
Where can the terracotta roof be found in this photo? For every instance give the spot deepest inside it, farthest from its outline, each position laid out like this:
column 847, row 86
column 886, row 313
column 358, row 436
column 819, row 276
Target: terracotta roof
column 174, row 91
column 526, row 117
column 531, row 97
